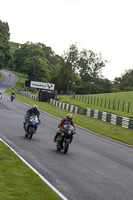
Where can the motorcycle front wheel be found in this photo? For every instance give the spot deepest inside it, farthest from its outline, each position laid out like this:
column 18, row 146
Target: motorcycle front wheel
column 31, row 131
column 57, row 145
column 26, row 135
column 58, row 148
column 65, row 146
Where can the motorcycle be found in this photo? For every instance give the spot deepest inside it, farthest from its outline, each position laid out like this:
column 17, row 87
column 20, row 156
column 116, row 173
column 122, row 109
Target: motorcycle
column 65, row 138
column 30, row 126
column 12, row 97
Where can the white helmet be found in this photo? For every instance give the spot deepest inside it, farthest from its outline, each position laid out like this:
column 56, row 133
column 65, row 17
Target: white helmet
column 35, row 106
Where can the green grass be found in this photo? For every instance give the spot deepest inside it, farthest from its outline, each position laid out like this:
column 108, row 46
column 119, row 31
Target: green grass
column 104, row 128
column 18, row 182
column 21, row 81
column 119, row 96
column 0, row 76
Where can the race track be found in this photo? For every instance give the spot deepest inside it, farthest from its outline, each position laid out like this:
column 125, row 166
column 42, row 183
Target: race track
column 95, row 168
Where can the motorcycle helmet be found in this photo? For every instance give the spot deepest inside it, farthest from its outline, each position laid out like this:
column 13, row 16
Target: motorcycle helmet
column 69, row 117
column 35, row 107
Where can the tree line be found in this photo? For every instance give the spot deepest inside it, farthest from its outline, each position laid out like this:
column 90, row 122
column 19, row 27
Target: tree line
column 74, row 71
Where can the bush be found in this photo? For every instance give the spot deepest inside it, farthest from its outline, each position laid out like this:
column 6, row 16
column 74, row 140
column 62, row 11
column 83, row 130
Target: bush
column 33, row 90
column 128, row 88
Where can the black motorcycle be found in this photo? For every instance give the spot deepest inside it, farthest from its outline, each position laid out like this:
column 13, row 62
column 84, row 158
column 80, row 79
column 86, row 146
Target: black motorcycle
column 65, row 138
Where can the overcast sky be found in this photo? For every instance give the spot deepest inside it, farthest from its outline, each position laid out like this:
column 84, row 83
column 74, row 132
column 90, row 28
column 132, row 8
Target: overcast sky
column 104, row 26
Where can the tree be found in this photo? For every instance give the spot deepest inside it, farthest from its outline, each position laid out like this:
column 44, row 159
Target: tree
column 102, row 86
column 68, row 68
column 87, row 63
column 90, row 64
column 125, row 82
column 20, row 55
column 74, row 69
column 36, row 68
column 30, row 58
column 71, row 56
column 13, row 47
column 4, row 44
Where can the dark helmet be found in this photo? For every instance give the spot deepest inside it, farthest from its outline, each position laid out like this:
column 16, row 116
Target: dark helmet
column 69, row 117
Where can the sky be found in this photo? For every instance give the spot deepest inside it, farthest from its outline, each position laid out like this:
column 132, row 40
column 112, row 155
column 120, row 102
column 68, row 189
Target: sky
column 104, row 26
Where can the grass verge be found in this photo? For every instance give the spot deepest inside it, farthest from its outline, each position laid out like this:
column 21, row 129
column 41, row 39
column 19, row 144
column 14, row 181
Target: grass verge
column 17, row 181
column 121, row 110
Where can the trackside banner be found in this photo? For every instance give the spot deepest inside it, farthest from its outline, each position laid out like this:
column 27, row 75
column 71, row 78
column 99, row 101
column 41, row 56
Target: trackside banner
column 41, row 85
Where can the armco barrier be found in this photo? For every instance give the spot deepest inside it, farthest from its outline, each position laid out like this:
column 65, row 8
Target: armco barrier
column 65, row 106
column 27, row 94
column 108, row 117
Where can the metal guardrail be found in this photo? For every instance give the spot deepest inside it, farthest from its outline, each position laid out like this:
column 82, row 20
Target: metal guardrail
column 65, row 106
column 108, row 117
column 28, row 94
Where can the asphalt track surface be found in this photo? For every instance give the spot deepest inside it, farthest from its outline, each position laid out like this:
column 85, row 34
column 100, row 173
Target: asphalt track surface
column 95, row 167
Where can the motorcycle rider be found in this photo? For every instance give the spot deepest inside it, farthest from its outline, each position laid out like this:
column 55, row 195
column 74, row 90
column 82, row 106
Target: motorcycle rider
column 68, row 118
column 13, row 93
column 32, row 111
